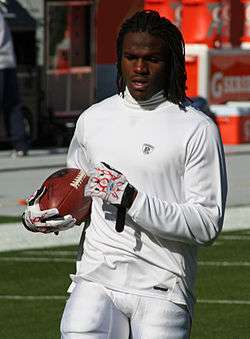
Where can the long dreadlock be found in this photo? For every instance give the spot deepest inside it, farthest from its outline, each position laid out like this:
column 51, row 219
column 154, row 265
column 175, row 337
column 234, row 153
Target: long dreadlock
column 151, row 22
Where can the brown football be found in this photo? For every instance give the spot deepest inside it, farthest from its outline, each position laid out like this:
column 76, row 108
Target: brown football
column 65, row 191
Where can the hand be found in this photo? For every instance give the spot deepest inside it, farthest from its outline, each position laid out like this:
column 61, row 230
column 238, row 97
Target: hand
column 45, row 221
column 110, row 185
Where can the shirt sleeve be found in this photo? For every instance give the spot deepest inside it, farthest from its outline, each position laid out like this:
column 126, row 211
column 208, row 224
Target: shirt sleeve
column 199, row 218
column 77, row 156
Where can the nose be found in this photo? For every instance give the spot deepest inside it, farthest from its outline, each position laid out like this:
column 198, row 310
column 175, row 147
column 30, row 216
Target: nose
column 140, row 66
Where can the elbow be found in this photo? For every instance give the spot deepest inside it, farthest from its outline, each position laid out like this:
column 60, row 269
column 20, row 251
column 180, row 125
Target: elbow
column 208, row 239
column 210, row 231
column 204, row 224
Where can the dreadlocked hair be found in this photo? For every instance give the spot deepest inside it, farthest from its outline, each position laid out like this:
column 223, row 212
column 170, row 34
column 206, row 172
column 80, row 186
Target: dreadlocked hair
column 151, row 22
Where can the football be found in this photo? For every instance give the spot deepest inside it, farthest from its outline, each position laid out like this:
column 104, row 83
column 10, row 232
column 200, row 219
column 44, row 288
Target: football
column 65, row 191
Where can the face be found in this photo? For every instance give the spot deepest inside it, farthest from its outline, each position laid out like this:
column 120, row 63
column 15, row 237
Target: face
column 143, row 64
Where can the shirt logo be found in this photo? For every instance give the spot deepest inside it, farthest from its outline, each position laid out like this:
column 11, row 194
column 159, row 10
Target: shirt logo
column 147, row 148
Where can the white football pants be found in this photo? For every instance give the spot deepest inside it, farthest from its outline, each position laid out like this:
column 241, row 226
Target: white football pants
column 95, row 312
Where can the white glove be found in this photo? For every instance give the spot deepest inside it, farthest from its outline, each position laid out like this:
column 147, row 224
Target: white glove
column 45, row 221
column 106, row 183
column 111, row 186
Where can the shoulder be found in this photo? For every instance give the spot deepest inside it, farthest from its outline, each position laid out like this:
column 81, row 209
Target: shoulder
column 98, row 115
column 103, row 105
column 195, row 119
column 203, row 133
column 193, row 126
column 101, row 108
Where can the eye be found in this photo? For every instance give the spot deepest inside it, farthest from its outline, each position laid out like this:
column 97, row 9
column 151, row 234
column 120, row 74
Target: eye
column 153, row 59
column 129, row 56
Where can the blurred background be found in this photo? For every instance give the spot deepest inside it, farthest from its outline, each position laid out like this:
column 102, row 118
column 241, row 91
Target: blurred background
column 66, row 59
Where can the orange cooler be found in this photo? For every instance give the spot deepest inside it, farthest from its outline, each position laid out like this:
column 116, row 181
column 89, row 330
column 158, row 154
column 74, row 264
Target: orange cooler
column 171, row 9
column 233, row 122
column 202, row 22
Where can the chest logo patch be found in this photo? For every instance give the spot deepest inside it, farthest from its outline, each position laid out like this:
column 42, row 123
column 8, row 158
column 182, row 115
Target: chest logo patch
column 147, row 149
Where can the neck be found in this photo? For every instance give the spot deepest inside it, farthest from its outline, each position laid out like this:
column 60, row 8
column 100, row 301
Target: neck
column 148, row 104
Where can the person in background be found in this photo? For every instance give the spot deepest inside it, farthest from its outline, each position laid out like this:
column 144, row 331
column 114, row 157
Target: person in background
column 10, row 104
column 158, row 182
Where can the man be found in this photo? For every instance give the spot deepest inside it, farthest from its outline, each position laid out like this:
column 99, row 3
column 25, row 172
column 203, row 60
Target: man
column 162, row 164
column 9, row 97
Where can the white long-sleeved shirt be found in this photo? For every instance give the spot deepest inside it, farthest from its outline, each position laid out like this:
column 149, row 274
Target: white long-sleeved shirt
column 174, row 158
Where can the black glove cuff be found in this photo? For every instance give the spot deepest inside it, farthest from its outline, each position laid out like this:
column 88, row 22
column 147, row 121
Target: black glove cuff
column 128, row 196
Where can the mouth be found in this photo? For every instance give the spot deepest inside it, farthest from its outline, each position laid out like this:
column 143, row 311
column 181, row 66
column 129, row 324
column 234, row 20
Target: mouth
column 139, row 84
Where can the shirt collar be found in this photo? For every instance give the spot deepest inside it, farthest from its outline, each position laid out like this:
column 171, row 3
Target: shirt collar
column 147, row 105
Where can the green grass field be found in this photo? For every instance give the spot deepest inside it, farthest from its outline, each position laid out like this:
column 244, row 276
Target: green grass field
column 7, row 219
column 34, row 283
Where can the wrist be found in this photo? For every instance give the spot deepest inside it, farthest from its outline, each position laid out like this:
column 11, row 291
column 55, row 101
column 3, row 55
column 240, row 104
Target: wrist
column 129, row 196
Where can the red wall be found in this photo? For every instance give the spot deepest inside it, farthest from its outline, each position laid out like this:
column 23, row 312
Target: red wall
column 237, row 21
column 110, row 15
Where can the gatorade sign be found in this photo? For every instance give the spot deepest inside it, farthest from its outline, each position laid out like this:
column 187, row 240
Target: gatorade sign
column 229, row 78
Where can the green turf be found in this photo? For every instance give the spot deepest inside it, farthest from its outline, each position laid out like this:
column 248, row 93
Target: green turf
column 224, row 321
column 25, row 275
column 221, row 322
column 5, row 219
column 34, row 319
column 30, row 319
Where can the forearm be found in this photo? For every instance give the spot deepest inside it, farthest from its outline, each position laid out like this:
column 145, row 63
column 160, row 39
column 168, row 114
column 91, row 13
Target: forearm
column 187, row 222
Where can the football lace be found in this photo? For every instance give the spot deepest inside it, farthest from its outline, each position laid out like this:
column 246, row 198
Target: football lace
column 76, row 183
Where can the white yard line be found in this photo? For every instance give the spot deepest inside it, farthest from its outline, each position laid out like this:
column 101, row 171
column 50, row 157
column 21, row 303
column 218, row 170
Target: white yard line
column 229, row 302
column 16, row 237
column 32, row 297
column 61, row 297
column 234, row 237
column 52, row 252
column 71, row 260
column 38, row 259
column 237, row 218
